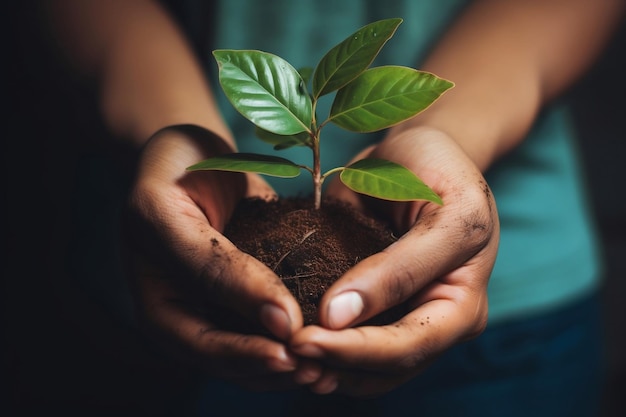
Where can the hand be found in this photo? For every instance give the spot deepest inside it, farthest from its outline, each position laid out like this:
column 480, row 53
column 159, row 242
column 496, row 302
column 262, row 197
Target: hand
column 437, row 271
column 198, row 296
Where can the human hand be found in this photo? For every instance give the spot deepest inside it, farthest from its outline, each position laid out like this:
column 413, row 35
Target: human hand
column 437, row 272
column 198, row 296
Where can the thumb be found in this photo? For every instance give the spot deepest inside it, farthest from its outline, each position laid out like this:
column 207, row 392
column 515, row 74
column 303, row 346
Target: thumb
column 239, row 283
column 174, row 235
column 174, row 217
column 399, row 273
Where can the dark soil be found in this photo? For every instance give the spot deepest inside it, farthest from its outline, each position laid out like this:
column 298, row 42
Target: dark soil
column 308, row 249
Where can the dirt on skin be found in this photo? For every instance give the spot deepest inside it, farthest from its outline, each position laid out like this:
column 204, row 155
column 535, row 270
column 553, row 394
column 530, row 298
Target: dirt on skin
column 308, row 249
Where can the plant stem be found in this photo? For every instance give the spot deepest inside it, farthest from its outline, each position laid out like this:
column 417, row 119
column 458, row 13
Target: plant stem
column 331, row 172
column 315, row 147
column 317, row 172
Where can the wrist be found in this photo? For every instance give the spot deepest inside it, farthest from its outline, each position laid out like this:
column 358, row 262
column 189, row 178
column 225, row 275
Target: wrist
column 482, row 148
column 197, row 139
column 169, row 151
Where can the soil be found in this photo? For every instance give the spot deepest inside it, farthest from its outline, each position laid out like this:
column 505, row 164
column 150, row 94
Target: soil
column 308, row 249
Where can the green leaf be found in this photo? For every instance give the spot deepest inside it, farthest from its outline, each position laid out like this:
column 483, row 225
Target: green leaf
column 306, row 73
column 348, row 59
column 249, row 162
column 386, row 180
column 266, row 90
column 384, row 96
column 281, row 142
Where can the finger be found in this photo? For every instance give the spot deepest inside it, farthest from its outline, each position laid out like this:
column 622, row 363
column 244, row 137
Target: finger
column 393, row 347
column 357, row 383
column 362, row 385
column 177, row 217
column 327, row 383
column 308, row 371
column 436, row 239
column 241, row 284
column 190, row 337
column 217, row 274
column 430, row 250
column 259, row 188
column 401, row 348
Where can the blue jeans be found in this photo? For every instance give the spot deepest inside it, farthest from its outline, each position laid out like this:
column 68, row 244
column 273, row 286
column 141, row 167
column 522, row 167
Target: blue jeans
column 546, row 366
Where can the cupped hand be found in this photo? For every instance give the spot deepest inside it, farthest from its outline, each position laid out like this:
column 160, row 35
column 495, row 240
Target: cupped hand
column 198, row 296
column 437, row 272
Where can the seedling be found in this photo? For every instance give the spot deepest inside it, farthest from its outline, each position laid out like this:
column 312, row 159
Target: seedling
column 274, row 96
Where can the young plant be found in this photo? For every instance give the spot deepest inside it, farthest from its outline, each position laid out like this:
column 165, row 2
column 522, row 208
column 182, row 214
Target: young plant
column 274, row 96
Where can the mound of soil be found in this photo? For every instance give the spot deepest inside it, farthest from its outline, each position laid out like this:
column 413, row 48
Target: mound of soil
column 308, row 249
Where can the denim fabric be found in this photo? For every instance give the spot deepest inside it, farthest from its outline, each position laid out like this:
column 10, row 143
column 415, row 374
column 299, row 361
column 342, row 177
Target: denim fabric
column 546, row 366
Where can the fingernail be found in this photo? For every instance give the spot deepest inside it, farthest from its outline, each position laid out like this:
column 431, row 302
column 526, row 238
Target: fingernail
column 276, row 320
column 326, row 385
column 308, row 350
column 344, row 309
column 284, row 363
column 307, row 375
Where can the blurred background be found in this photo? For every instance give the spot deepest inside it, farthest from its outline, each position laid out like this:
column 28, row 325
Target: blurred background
column 600, row 112
column 62, row 350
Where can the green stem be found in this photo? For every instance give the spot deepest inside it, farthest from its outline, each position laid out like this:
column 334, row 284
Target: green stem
column 331, row 172
column 317, row 168
column 317, row 173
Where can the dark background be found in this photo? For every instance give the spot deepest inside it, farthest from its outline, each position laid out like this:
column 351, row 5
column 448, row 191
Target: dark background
column 600, row 112
column 63, row 350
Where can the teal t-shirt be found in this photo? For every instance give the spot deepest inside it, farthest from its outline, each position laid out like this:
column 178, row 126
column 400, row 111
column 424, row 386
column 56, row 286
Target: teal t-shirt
column 548, row 251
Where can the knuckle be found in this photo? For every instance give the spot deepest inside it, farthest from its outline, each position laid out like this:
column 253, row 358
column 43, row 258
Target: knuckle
column 478, row 322
column 479, row 219
column 395, row 287
column 478, row 327
column 418, row 356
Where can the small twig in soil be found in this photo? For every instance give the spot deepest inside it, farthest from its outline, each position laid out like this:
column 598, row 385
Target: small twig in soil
column 282, row 258
column 297, row 276
column 306, row 236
